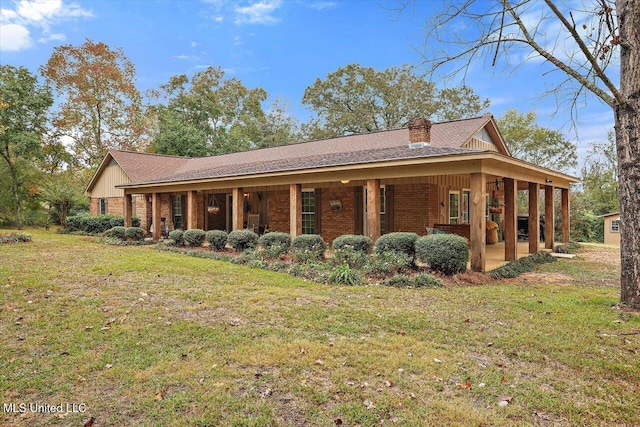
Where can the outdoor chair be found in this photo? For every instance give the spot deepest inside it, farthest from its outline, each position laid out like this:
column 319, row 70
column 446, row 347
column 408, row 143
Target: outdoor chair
column 253, row 222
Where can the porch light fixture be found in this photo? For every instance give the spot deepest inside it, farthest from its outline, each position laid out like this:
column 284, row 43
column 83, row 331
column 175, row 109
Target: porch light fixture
column 497, row 184
column 345, row 181
column 548, row 181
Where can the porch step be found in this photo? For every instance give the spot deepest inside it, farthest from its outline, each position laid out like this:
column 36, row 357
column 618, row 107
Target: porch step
column 563, row 256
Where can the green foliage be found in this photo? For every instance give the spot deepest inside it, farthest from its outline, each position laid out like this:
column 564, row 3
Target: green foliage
column 92, row 225
column 355, row 242
column 401, row 242
column 522, row 265
column 343, row 274
column 217, row 239
column 177, row 236
column 567, row 248
column 15, row 238
column 275, row 238
column 117, row 232
column 426, row 280
column 387, row 263
column 208, row 114
column 194, row 237
column 352, row 257
column 23, row 115
column 63, row 192
column 308, row 247
column 134, row 234
column 357, row 99
column 241, row 240
column 310, row 270
column 541, row 146
column 399, row 280
column 447, row 253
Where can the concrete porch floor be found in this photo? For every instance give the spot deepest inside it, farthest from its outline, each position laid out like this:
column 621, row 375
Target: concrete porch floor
column 495, row 253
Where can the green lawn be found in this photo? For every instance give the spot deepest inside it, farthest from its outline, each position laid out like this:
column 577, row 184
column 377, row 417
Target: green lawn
column 135, row 336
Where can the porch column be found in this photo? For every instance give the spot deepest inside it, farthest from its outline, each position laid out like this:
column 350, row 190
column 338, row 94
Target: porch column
column 549, row 216
column 127, row 208
column 295, row 210
column 155, row 216
column 478, row 222
column 192, row 213
column 373, row 209
column 510, row 219
column 237, row 209
column 534, row 218
column 565, row 215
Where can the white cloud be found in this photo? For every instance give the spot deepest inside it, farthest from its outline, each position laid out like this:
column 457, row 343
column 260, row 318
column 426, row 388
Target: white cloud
column 14, row 37
column 257, row 13
column 322, row 5
column 27, row 16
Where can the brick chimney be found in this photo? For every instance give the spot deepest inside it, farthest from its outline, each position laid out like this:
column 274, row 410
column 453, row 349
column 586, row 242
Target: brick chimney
column 419, row 133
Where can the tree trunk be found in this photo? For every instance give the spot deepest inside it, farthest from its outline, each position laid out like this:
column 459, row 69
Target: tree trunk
column 627, row 126
column 16, row 194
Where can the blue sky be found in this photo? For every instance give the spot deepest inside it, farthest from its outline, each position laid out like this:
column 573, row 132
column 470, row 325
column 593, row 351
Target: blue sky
column 279, row 45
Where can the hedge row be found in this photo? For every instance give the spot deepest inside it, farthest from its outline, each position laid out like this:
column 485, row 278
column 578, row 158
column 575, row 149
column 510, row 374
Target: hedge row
column 95, row 225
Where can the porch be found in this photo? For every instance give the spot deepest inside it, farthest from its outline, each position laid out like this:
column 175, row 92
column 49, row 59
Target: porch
column 495, row 254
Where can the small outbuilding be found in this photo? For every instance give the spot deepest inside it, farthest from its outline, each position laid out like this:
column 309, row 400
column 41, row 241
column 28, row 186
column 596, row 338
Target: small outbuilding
column 612, row 228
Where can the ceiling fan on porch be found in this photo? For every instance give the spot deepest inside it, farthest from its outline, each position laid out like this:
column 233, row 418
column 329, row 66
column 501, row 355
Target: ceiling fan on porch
column 213, row 206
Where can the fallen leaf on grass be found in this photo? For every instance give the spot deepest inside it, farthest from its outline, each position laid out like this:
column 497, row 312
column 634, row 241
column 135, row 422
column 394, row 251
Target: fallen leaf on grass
column 467, row 385
column 369, row 404
column 435, row 359
column 505, row 400
column 389, row 383
column 160, row 395
column 504, row 380
column 319, row 362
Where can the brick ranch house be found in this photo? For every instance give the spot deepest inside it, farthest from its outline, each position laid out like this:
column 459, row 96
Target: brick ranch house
column 452, row 176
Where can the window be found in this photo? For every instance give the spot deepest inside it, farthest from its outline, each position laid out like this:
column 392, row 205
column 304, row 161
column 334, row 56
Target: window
column 615, row 226
column 176, row 212
column 454, row 207
column 103, row 206
column 466, row 206
column 308, row 212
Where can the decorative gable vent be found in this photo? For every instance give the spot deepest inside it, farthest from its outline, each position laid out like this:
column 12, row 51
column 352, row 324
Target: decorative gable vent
column 419, row 133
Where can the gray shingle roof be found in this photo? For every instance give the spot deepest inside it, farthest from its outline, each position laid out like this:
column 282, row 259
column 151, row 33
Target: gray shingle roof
column 446, row 139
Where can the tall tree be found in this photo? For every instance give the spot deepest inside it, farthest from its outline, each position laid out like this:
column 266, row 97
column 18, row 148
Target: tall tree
column 357, row 99
column 586, row 43
column 23, row 113
column 100, row 105
column 278, row 127
column 223, row 111
column 536, row 144
column 599, row 177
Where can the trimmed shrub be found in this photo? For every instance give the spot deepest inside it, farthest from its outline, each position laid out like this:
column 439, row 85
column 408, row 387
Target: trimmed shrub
column 217, row 239
column 116, row 232
column 241, row 240
column 95, row 225
column 354, row 242
column 396, row 242
column 426, row 280
column 353, row 258
column 135, row 234
column 567, row 248
column 177, row 236
column 399, row 280
column 15, row 238
column 522, row 265
column 447, row 253
column 386, row 263
column 194, row 237
column 344, row 275
column 275, row 238
column 308, row 247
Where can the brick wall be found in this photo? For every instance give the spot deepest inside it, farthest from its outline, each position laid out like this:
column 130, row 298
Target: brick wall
column 279, row 210
column 338, row 222
column 415, row 207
